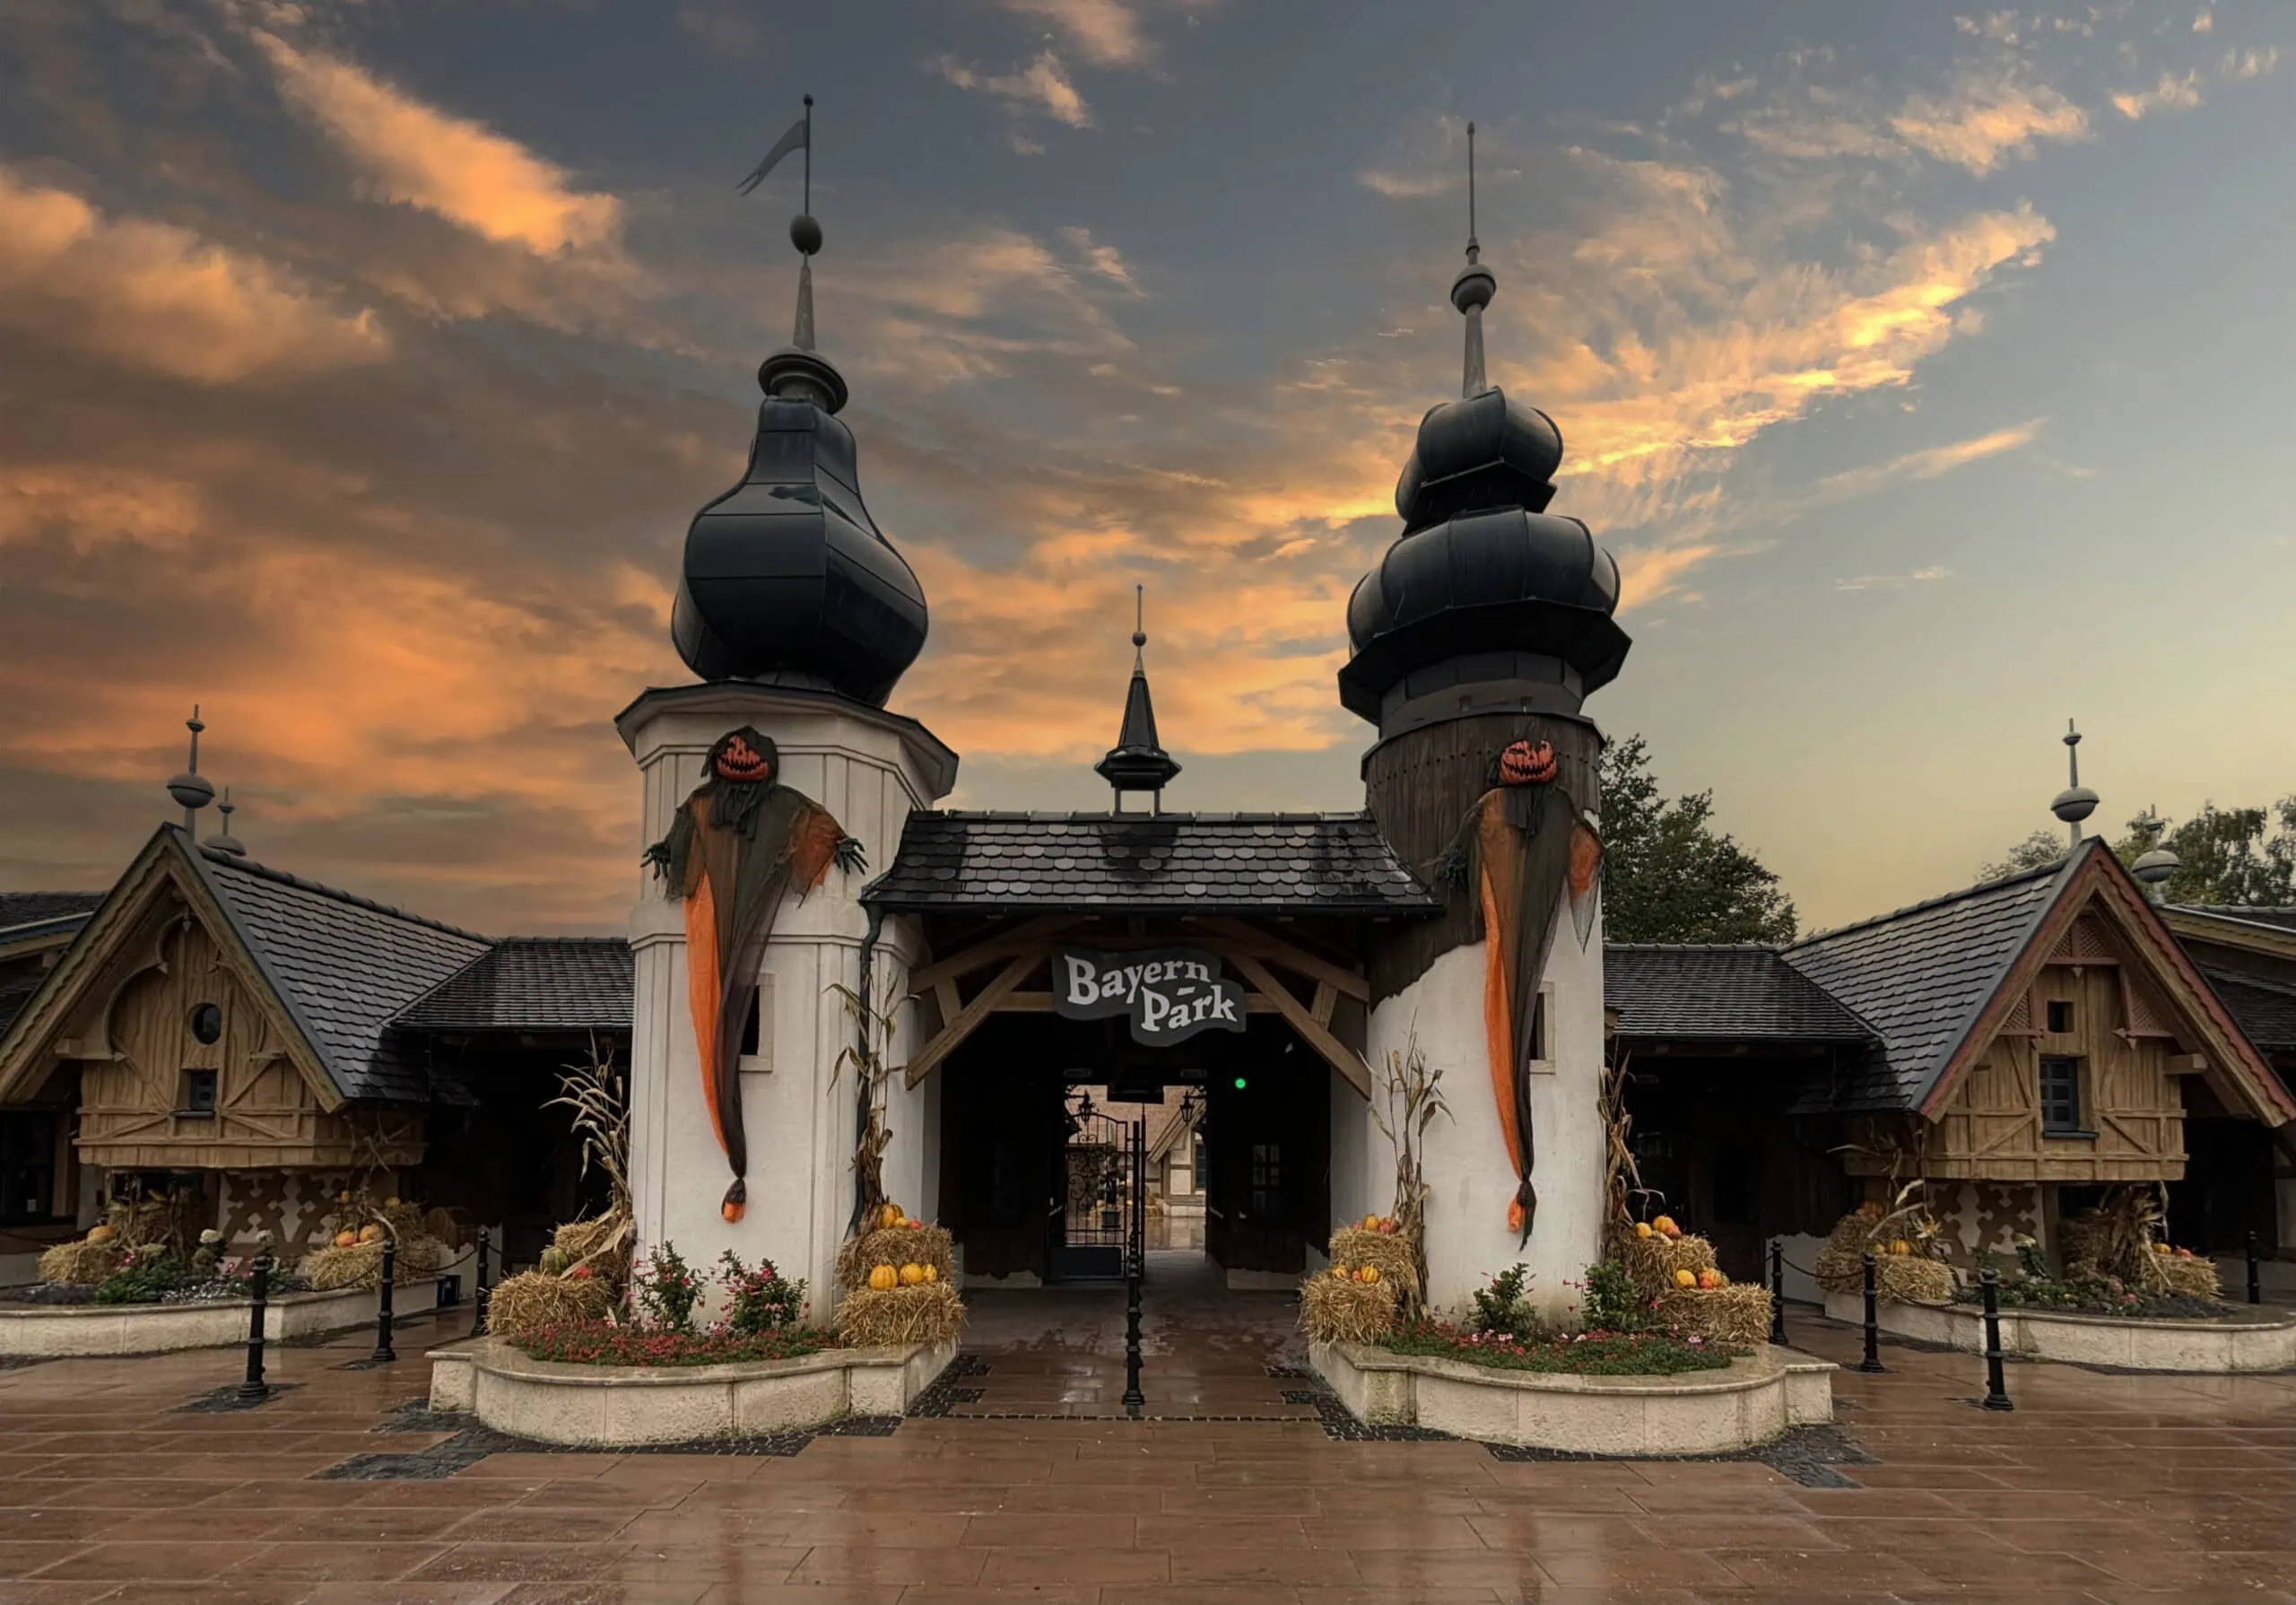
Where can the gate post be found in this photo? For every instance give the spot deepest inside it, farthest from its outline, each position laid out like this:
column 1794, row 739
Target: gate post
column 1135, row 1249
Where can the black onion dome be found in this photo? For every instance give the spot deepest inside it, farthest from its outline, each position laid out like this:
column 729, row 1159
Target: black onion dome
column 787, row 578
column 1485, row 451
column 1487, row 600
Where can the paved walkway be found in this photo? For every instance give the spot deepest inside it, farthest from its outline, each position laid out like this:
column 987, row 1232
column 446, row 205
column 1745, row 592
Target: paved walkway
column 2098, row 1487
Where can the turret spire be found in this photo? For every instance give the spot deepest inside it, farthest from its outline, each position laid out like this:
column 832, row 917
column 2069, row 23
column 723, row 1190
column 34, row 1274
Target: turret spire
column 2076, row 802
column 191, row 790
column 1472, row 292
column 1139, row 761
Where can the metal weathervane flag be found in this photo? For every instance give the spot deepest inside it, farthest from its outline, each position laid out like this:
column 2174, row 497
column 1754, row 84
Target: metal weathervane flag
column 798, row 138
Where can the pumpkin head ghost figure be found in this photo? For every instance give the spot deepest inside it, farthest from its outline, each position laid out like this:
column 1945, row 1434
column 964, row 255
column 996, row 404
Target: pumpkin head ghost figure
column 1522, row 846
column 740, row 842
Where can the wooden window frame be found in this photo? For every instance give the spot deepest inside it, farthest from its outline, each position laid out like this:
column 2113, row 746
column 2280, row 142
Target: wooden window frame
column 2078, row 1064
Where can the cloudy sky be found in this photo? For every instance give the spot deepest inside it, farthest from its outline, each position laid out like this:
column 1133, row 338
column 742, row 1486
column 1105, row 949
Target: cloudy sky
column 1929, row 373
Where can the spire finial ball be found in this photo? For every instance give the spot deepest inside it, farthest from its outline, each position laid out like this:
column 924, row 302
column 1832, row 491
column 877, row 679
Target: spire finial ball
column 805, row 233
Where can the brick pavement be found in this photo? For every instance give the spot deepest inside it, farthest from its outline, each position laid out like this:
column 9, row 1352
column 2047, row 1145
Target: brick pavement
column 2098, row 1487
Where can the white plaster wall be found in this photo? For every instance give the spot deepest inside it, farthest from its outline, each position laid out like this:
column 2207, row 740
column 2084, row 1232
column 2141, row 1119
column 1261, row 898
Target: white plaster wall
column 797, row 1108
column 1466, row 1163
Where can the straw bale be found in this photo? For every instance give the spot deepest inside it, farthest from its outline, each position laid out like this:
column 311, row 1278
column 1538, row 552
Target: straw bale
column 888, row 1317
column 331, row 1269
column 2194, row 1278
column 895, row 1246
column 1910, row 1279
column 605, row 1242
column 147, row 1221
column 1736, row 1314
column 82, row 1263
column 1652, row 1260
column 523, row 1305
column 1388, row 1252
column 1342, row 1310
column 1840, row 1264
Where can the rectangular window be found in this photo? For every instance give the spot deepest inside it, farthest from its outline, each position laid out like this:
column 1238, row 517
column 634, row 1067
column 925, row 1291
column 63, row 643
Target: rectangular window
column 27, row 1168
column 2060, row 1017
column 1267, row 1179
column 199, row 1091
column 2060, row 1093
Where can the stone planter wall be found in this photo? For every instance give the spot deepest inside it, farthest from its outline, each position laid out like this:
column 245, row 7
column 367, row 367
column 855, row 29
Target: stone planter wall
column 605, row 1405
column 55, row 1331
column 2265, row 1344
column 1703, row 1412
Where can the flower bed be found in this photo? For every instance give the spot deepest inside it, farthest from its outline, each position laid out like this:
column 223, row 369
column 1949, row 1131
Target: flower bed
column 1749, row 1398
column 91, row 1328
column 1583, row 1354
column 2235, row 1340
column 612, row 1343
column 2098, row 1295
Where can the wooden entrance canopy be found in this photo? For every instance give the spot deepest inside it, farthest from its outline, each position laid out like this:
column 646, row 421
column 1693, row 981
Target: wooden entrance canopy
column 1281, row 899
column 1023, row 952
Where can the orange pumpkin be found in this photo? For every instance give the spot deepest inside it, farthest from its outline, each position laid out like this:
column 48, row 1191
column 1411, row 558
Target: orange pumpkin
column 912, row 1274
column 883, row 1277
column 346, row 1240
column 1665, row 1225
column 1642, row 1229
column 1370, row 1223
column 932, row 1274
column 103, row 1233
column 1521, row 764
column 1711, row 1278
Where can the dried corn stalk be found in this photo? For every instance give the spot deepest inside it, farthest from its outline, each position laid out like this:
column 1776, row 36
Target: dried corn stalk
column 1413, row 1093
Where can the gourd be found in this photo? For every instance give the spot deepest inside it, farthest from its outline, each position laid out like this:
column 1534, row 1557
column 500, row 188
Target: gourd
column 912, row 1274
column 883, row 1276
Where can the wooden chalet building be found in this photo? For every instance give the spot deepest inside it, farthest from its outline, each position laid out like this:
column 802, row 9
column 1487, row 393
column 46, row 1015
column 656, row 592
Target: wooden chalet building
column 219, row 1024
column 2024, row 1045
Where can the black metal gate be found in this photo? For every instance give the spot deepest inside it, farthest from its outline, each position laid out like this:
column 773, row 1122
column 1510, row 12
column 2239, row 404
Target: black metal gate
column 1101, row 1213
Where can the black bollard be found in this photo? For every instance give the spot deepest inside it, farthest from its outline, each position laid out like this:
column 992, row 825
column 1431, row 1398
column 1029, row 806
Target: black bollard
column 480, row 1291
column 383, row 1349
column 1996, row 1392
column 1776, row 1292
column 2255, row 1273
column 259, row 1293
column 1133, row 1397
column 1873, row 1360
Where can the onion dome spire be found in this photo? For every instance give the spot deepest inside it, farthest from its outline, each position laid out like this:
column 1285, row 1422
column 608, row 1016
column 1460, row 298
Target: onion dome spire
column 224, row 841
column 1487, row 604
column 191, row 790
column 2076, row 802
column 786, row 579
column 1139, row 761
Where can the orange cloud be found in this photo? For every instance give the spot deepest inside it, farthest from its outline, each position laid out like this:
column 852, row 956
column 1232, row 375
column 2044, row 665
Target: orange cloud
column 162, row 298
column 1985, row 120
column 445, row 165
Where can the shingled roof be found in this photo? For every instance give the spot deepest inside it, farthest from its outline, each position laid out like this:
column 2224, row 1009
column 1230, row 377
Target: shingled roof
column 533, row 984
column 1920, row 975
column 1142, row 863
column 344, row 965
column 18, row 909
column 2278, row 919
column 1740, row 992
column 2265, row 1010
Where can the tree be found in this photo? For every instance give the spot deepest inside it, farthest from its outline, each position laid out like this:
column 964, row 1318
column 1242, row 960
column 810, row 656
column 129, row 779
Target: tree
column 1668, row 875
column 2238, row 858
column 2041, row 847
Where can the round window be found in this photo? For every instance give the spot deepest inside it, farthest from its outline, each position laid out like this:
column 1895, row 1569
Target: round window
column 207, row 1022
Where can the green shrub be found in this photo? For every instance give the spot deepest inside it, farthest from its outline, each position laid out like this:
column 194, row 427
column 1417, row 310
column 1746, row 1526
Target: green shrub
column 667, row 1290
column 1613, row 1303
column 1629, row 1354
column 760, row 1301
column 1503, row 1308
column 147, row 1277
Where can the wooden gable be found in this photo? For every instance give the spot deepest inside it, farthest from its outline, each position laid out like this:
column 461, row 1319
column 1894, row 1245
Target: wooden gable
column 2103, row 985
column 185, row 1056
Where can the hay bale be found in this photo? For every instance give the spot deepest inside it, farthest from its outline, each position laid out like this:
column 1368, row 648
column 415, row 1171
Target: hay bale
column 895, row 1317
column 1342, row 1310
column 1652, row 1260
column 332, row 1269
column 1387, row 1252
column 1909, row 1279
column 523, row 1305
column 82, row 1264
column 1840, row 1264
column 895, row 1246
column 1737, row 1315
column 603, row 1241
column 2194, row 1278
